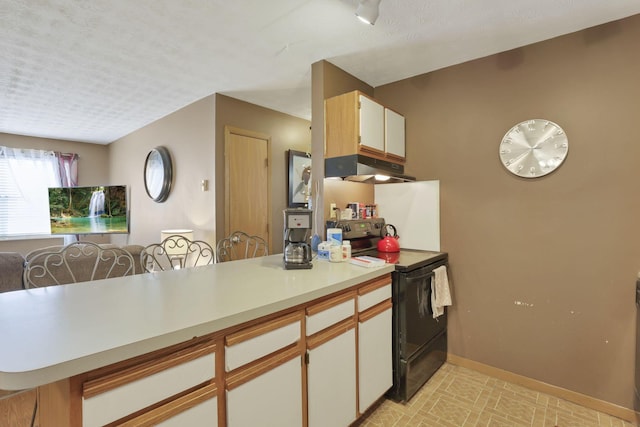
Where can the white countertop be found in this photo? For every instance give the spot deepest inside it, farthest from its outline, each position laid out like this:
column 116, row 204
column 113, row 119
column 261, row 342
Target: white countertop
column 52, row 333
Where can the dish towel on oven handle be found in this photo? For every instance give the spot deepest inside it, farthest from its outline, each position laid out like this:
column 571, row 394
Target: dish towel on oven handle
column 440, row 293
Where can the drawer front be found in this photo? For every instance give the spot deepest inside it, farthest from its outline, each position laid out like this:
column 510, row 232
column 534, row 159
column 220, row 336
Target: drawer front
column 116, row 403
column 330, row 316
column 374, row 297
column 254, row 348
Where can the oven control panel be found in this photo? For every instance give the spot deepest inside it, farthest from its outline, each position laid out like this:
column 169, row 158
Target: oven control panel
column 360, row 228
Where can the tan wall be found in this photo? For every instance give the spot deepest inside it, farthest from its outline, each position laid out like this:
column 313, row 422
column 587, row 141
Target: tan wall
column 286, row 132
column 92, row 170
column 543, row 270
column 189, row 135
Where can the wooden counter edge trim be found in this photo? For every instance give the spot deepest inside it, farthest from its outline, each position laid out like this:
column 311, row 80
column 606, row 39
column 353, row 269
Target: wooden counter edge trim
column 330, row 303
column 259, row 329
column 173, row 408
column 246, row 373
column 372, row 285
column 109, row 382
column 330, row 333
column 375, row 310
column 572, row 396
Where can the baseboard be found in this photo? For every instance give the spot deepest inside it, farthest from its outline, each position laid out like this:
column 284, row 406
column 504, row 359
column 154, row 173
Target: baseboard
column 581, row 399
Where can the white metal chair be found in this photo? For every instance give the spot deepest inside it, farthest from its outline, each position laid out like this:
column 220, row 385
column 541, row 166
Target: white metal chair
column 176, row 252
column 76, row 262
column 240, row 245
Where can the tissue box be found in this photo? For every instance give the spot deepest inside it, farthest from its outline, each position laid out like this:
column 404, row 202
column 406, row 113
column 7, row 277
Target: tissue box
column 323, row 250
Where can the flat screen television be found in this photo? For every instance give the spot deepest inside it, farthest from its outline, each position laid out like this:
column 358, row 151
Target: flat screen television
column 89, row 210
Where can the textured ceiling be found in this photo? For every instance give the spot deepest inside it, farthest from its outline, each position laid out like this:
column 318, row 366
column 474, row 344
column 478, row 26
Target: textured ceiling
column 96, row 70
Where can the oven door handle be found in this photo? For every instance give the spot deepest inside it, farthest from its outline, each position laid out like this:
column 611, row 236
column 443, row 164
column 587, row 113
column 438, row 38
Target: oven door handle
column 419, row 276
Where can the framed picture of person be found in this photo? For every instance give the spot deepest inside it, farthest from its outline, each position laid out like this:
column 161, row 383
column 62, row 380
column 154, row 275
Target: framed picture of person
column 299, row 179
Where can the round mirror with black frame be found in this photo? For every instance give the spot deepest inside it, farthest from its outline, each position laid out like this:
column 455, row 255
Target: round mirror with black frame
column 158, row 174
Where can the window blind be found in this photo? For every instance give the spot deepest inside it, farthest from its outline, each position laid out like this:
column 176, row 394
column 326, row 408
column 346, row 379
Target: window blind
column 25, row 176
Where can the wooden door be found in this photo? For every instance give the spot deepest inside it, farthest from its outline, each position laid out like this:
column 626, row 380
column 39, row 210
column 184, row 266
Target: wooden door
column 247, row 182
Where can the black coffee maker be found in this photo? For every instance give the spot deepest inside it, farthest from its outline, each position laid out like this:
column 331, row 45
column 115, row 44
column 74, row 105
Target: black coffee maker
column 297, row 231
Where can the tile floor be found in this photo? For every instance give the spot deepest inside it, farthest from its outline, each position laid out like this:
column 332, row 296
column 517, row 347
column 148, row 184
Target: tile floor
column 460, row 397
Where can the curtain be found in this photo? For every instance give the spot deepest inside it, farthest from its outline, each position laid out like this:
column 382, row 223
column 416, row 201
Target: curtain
column 68, row 169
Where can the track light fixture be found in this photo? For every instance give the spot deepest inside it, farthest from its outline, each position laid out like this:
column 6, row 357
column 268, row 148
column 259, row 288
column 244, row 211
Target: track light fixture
column 368, row 11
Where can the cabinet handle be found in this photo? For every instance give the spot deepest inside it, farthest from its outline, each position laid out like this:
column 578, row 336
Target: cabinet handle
column 246, row 373
column 173, row 408
column 374, row 311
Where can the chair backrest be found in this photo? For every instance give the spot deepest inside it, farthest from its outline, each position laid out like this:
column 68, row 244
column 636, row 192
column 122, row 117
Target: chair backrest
column 76, row 262
column 240, row 245
column 174, row 252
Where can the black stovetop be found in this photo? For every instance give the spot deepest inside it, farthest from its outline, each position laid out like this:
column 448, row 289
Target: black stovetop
column 406, row 259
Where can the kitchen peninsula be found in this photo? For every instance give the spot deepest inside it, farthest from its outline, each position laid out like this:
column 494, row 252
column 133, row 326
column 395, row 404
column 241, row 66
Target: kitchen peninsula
column 235, row 342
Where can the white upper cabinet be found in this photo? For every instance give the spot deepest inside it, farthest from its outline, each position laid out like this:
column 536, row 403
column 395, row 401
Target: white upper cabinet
column 358, row 124
column 371, row 124
column 394, row 134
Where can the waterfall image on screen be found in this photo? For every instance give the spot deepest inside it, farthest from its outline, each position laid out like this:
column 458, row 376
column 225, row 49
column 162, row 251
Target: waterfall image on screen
column 88, row 210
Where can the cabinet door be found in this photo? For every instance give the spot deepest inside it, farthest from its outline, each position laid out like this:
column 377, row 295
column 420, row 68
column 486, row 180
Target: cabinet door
column 375, row 374
column 331, row 380
column 394, row 136
column 273, row 397
column 264, row 373
column 371, row 125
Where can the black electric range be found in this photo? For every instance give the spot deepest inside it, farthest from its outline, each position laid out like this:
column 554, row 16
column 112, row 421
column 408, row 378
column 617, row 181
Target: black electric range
column 419, row 340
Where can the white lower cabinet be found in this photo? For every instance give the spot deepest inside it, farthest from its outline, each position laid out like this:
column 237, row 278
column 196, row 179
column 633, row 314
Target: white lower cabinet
column 263, row 378
column 331, row 367
column 331, row 379
column 375, row 364
column 273, row 398
column 375, row 356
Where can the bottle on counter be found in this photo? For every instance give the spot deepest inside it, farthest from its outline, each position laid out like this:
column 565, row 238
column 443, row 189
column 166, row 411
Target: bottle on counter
column 346, row 250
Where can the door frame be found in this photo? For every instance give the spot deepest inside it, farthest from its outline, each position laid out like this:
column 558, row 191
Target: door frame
column 231, row 130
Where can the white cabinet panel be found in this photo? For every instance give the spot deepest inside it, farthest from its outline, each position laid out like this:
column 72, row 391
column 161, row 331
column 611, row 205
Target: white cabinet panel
column 371, row 123
column 375, row 364
column 114, row 404
column 394, row 133
column 204, row 414
column 247, row 351
column 372, row 298
column 271, row 399
column 330, row 316
column 332, row 382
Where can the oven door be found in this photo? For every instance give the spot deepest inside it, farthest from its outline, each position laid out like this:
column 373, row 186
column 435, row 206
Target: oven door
column 419, row 340
column 416, row 325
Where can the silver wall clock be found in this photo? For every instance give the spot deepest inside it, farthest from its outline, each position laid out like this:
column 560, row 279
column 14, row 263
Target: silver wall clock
column 534, row 148
column 158, row 174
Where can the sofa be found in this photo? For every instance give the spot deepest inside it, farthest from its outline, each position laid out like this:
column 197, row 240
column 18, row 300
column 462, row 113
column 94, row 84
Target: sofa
column 13, row 264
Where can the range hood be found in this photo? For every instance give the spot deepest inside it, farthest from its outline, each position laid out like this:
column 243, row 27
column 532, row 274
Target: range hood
column 359, row 168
